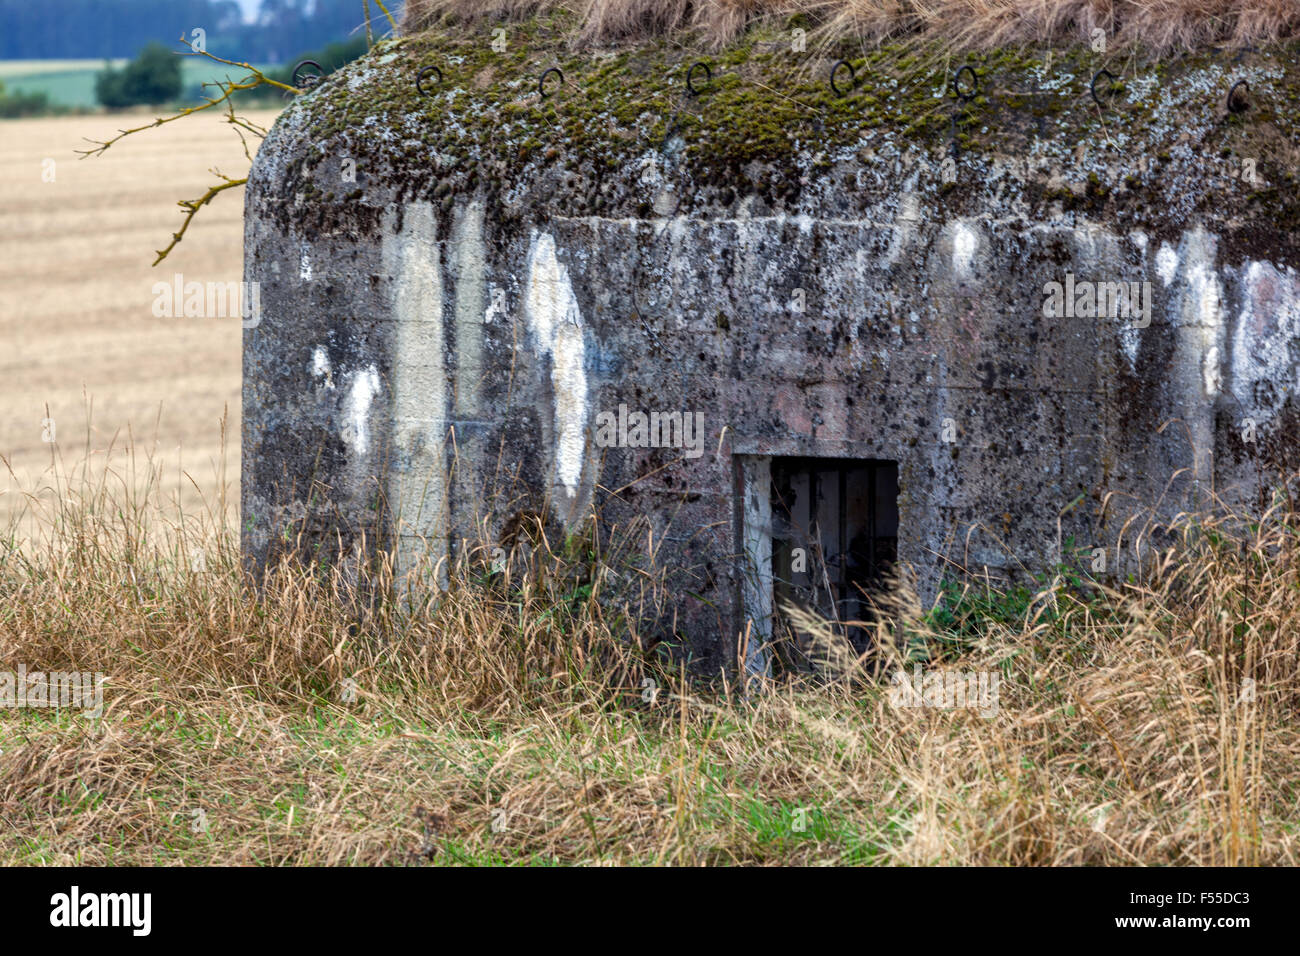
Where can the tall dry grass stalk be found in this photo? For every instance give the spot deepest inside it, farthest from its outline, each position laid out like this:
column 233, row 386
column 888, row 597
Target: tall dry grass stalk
column 517, row 717
column 1157, row 25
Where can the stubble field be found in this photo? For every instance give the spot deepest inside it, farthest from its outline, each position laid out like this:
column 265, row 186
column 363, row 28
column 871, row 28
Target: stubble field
column 77, row 239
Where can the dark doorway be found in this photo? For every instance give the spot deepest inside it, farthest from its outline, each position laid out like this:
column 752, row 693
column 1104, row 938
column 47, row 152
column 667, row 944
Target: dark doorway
column 834, row 536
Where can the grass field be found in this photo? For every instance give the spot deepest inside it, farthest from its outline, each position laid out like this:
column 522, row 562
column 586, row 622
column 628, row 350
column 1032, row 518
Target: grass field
column 13, row 70
column 76, row 301
column 72, row 82
column 516, row 720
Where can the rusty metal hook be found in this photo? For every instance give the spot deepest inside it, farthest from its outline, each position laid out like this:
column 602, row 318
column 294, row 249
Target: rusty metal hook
column 307, row 80
column 1238, row 104
column 974, row 84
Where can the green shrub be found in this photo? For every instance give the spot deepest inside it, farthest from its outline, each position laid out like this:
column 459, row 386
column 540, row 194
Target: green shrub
column 152, row 77
column 22, row 104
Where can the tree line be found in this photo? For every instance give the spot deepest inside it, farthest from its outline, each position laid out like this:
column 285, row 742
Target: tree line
column 94, row 29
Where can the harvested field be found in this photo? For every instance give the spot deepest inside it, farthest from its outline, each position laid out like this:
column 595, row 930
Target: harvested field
column 76, row 295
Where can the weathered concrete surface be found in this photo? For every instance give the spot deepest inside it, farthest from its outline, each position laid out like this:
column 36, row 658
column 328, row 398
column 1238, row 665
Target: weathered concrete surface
column 441, row 335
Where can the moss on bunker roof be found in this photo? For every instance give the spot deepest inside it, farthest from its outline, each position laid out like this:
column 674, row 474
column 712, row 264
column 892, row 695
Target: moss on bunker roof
column 765, row 117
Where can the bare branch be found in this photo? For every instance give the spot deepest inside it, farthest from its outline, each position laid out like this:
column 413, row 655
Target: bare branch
column 261, row 77
column 239, row 124
column 192, row 206
column 228, row 88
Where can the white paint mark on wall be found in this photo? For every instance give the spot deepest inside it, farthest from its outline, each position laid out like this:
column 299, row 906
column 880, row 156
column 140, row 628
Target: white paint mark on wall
column 1261, row 344
column 570, row 381
column 1166, row 263
column 677, row 232
column 1204, row 310
column 1087, row 239
column 1100, row 252
column 1211, row 375
column 1130, row 338
column 356, row 426
column 553, row 318
column 964, row 244
column 1200, row 335
column 496, row 307
column 1207, row 298
column 320, row 367
column 905, row 223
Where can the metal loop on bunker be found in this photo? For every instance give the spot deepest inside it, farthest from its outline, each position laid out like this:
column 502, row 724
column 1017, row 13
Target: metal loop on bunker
column 1238, row 100
column 541, row 80
column 1092, row 87
column 305, row 81
column 419, row 79
column 965, row 97
column 690, row 77
column 853, row 78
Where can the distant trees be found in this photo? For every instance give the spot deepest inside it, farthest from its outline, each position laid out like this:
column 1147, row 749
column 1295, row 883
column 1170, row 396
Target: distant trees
column 19, row 103
column 151, row 78
column 110, row 29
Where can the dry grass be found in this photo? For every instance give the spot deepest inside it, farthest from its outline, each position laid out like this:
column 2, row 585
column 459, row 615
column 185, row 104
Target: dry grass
column 511, row 719
column 1158, row 25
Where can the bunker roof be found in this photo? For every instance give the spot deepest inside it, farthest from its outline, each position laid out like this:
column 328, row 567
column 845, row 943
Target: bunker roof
column 536, row 117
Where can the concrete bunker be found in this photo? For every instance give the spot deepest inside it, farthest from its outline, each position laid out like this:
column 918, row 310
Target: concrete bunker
column 742, row 322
